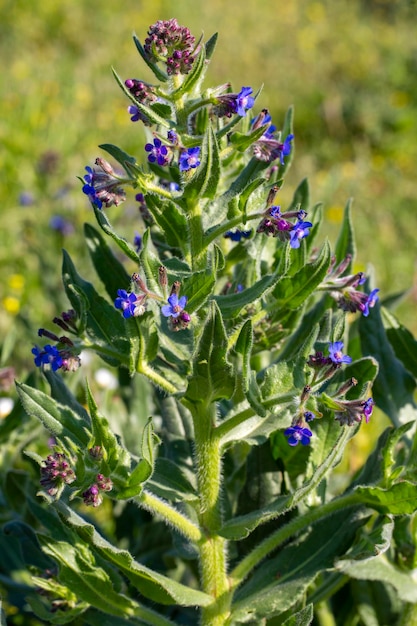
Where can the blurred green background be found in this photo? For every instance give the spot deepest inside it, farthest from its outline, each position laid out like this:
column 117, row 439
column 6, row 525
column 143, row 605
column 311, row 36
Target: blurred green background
column 348, row 67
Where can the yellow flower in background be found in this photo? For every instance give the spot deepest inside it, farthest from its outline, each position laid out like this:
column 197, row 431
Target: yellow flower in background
column 16, row 282
column 11, row 305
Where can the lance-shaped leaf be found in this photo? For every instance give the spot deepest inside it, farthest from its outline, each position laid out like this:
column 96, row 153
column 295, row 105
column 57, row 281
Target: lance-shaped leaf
column 292, row 291
column 204, row 180
column 394, row 387
column 80, row 572
column 104, row 325
column 117, row 153
column 60, row 420
column 301, row 197
column 212, row 376
column 198, row 287
column 151, row 584
column 148, row 111
column 194, row 77
column 283, row 580
column 301, row 618
column 170, row 219
column 231, row 304
column 124, row 245
column 109, row 269
column 402, row 341
column 243, row 347
column 346, row 241
column 399, row 499
column 160, row 75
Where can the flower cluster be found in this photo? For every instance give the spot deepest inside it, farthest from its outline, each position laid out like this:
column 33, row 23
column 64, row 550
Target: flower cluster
column 277, row 224
column 344, row 290
column 92, row 495
column 102, row 185
column 270, row 146
column 172, row 44
column 234, row 103
column 64, row 355
column 350, row 412
column 56, row 472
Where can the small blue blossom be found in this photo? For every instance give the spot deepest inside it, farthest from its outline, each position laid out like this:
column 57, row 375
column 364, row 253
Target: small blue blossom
column 237, row 235
column 336, row 355
column 286, row 148
column 189, row 159
column 309, row 416
column 275, row 211
column 89, row 190
column 134, row 112
column 49, row 355
column 126, row 302
column 137, row 242
column 368, row 406
column 297, row 434
column 369, row 303
column 175, row 306
column 299, row 231
column 158, row 153
column 244, row 101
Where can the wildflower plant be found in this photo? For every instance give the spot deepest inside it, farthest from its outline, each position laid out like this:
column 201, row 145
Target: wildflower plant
column 255, row 349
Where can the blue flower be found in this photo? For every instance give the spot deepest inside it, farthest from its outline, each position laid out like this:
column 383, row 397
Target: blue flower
column 137, row 242
column 299, row 231
column 237, row 235
column 127, row 302
column 369, row 303
column 368, row 406
column 89, row 190
column 244, row 101
column 286, row 148
column 298, row 434
column 158, row 153
column 189, row 159
column 336, row 355
column 175, row 306
column 309, row 416
column 49, row 355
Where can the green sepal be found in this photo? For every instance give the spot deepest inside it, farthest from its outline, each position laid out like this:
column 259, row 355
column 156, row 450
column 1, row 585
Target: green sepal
column 61, row 421
column 160, row 75
column 151, row 584
column 109, row 269
column 202, row 183
column 212, row 377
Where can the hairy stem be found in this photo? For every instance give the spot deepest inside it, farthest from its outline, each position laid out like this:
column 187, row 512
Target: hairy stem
column 174, row 518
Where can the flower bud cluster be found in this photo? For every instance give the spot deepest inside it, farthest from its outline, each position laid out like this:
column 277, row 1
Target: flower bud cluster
column 55, row 473
column 92, row 495
column 102, row 185
column 344, row 290
column 277, row 224
column 64, row 355
column 171, row 43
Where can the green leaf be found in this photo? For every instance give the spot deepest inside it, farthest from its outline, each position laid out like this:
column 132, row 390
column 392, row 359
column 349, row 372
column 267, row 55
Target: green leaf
column 399, row 499
column 124, row 245
column 293, row 291
column 394, row 387
column 283, row 580
column 117, row 153
column 211, row 46
column 79, row 571
column 169, row 481
column 169, row 218
column 194, row 77
column 212, row 377
column 231, row 304
column 198, row 287
column 104, row 325
column 109, row 269
column 243, row 347
column 60, row 420
column 160, row 75
column 202, row 183
column 346, row 241
column 301, row 197
column 242, row 141
column 148, row 111
column 301, row 618
column 402, row 341
column 151, row 584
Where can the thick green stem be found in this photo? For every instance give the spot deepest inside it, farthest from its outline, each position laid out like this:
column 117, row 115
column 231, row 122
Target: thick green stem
column 213, row 549
column 173, row 517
